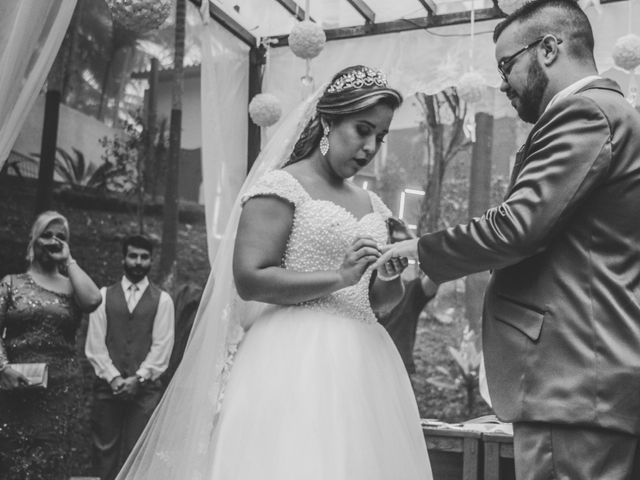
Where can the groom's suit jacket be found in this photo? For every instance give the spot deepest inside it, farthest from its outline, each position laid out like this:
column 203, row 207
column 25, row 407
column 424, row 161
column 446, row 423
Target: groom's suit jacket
column 561, row 321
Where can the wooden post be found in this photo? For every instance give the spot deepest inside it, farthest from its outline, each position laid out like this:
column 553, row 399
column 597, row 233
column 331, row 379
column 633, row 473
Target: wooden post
column 170, row 217
column 49, row 142
column 44, row 192
column 479, row 202
column 151, row 163
column 147, row 173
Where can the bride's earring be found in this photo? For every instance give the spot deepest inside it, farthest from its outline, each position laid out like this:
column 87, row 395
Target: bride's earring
column 324, row 141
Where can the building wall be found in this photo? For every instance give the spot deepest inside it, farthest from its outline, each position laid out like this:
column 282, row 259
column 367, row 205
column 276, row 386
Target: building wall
column 81, row 133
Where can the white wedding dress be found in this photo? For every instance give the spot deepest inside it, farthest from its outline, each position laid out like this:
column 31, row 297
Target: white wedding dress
column 318, row 391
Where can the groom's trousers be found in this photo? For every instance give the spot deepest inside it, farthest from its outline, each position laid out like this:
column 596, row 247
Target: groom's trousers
column 546, row 451
column 116, row 424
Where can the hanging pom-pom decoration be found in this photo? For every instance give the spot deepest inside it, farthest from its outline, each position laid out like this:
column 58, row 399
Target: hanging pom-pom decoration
column 307, row 39
column 265, row 109
column 471, row 87
column 139, row 16
column 626, row 52
column 510, row 6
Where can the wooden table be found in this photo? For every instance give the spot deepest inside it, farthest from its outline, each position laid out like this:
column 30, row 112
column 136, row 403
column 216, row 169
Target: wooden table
column 498, row 456
column 454, row 454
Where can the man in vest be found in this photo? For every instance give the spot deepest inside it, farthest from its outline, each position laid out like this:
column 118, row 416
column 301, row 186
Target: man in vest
column 129, row 344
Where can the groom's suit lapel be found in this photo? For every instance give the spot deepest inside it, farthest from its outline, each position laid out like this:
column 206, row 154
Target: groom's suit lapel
column 517, row 167
column 521, row 155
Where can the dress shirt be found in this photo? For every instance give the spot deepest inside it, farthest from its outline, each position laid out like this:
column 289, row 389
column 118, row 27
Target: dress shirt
column 156, row 361
column 571, row 89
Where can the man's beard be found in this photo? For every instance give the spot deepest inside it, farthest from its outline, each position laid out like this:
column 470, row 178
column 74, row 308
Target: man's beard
column 135, row 274
column 531, row 98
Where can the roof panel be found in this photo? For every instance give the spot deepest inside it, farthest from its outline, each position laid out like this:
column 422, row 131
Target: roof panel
column 269, row 18
column 387, row 11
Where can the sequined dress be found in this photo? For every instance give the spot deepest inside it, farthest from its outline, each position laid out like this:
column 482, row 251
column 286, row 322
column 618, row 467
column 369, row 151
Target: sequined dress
column 37, row 426
column 318, row 390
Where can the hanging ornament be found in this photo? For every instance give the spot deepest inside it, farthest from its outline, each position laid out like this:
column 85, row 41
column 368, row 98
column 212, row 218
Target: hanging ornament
column 510, row 6
column 307, row 39
column 307, row 83
column 139, row 16
column 471, row 87
column 626, row 52
column 265, row 109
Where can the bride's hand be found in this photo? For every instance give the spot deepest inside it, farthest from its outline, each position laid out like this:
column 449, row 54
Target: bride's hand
column 362, row 253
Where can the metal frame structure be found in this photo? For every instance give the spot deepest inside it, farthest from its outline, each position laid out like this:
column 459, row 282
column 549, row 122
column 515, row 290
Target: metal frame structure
column 431, row 19
column 257, row 54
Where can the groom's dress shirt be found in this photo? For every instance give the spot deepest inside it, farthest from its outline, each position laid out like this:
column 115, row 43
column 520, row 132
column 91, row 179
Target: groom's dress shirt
column 157, row 359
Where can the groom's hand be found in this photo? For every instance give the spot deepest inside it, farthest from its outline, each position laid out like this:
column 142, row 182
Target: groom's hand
column 405, row 249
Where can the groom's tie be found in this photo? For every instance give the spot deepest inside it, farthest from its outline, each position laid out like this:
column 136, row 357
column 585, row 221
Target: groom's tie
column 132, row 298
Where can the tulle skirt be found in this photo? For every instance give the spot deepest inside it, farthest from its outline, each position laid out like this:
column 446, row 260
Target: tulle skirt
column 315, row 396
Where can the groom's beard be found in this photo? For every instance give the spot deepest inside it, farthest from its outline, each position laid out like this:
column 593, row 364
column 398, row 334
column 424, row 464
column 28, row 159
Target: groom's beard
column 531, row 98
column 136, row 273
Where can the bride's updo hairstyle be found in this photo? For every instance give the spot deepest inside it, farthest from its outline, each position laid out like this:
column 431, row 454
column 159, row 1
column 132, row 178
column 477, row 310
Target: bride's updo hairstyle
column 351, row 90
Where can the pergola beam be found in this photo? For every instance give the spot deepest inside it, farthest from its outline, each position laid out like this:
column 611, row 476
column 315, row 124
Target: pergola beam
column 429, row 6
column 293, row 8
column 432, row 20
column 363, row 9
column 228, row 22
column 403, row 25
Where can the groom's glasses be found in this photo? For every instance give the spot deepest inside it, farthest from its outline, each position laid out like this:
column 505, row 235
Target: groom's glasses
column 505, row 63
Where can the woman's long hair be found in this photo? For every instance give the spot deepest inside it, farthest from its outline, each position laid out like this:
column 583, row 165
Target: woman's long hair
column 350, row 91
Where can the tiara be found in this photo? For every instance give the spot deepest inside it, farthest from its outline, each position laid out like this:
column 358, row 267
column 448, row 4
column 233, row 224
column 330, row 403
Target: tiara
column 365, row 77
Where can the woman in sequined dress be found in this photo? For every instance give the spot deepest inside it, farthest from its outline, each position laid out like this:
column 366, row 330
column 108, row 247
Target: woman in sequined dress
column 315, row 389
column 40, row 312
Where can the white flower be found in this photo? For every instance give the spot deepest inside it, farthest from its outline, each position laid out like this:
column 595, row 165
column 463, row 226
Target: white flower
column 307, row 39
column 139, row 16
column 626, row 52
column 471, row 87
column 235, row 334
column 510, row 6
column 265, row 109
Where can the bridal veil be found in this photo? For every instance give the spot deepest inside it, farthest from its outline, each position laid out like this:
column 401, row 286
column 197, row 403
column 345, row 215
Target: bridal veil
column 177, row 442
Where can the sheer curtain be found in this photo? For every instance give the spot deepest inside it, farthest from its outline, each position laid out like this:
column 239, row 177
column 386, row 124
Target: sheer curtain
column 224, row 93
column 31, row 32
column 431, row 60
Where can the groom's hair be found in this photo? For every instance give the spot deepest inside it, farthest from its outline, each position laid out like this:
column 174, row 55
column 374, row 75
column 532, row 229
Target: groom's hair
column 137, row 241
column 562, row 18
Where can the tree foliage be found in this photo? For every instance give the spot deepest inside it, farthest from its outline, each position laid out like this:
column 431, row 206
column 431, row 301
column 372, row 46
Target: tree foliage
column 442, row 127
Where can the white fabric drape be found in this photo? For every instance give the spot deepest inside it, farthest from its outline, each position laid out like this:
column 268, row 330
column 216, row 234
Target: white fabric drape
column 179, row 440
column 429, row 60
column 31, row 32
column 224, row 93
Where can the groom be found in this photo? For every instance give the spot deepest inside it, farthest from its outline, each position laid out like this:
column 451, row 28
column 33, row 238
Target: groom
column 561, row 323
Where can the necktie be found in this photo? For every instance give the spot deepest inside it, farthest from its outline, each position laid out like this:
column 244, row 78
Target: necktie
column 131, row 299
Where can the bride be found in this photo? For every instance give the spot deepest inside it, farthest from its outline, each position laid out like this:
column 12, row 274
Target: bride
column 288, row 375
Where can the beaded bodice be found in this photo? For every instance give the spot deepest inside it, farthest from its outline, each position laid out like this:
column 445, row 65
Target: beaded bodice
column 38, row 323
column 320, row 235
